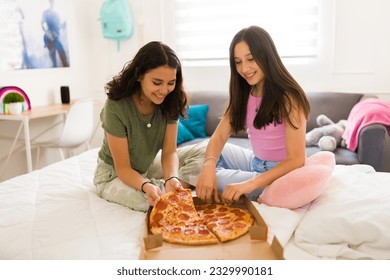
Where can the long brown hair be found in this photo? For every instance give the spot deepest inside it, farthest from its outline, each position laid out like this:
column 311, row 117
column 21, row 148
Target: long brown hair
column 280, row 88
column 154, row 54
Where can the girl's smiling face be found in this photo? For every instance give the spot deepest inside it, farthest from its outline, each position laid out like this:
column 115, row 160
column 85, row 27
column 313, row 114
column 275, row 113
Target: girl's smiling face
column 158, row 83
column 246, row 65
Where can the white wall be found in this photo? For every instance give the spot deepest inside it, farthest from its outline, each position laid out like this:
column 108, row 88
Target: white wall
column 354, row 57
column 354, row 54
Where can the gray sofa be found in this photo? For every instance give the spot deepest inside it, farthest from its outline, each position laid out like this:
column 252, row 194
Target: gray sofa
column 374, row 142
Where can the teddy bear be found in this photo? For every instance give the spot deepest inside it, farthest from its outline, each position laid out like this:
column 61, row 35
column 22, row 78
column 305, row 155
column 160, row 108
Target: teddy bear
column 328, row 136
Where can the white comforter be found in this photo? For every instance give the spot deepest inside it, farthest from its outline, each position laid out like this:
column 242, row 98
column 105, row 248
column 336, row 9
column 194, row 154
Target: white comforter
column 350, row 221
column 55, row 213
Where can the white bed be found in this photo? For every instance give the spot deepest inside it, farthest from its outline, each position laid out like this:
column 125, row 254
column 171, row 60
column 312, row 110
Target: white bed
column 55, row 213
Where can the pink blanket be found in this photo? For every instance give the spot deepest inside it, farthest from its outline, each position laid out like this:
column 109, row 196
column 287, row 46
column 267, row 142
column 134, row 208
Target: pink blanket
column 366, row 112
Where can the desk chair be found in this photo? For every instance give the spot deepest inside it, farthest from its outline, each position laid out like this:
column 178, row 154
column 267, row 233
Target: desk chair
column 78, row 129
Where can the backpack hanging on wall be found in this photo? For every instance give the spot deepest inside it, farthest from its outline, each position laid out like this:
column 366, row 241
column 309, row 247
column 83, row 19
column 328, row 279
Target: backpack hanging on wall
column 117, row 20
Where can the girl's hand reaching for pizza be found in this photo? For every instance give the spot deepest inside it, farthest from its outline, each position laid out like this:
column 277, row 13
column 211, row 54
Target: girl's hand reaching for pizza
column 152, row 192
column 233, row 192
column 206, row 188
column 172, row 184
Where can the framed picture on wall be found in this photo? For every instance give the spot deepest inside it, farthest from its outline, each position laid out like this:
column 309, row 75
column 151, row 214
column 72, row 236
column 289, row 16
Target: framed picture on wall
column 33, row 34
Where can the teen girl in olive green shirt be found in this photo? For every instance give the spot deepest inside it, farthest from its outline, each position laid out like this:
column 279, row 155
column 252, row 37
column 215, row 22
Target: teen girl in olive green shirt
column 139, row 156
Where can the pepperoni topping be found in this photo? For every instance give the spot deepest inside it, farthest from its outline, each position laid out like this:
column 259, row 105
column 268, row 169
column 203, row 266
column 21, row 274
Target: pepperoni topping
column 203, row 232
column 223, row 222
column 161, row 205
column 239, row 225
column 212, row 219
column 183, row 216
column 153, row 224
column 173, row 198
column 223, row 209
column 226, row 217
column 182, row 192
column 157, row 217
column 208, row 211
column 211, row 206
column 176, row 230
column 189, row 231
column 188, row 208
column 220, row 214
column 211, row 225
column 239, row 213
column 227, row 229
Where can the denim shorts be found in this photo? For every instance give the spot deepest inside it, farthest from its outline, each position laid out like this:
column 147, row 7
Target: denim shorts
column 237, row 164
column 262, row 166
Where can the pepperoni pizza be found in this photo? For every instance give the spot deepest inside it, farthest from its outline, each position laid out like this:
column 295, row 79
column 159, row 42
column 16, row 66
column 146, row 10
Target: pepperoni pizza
column 179, row 221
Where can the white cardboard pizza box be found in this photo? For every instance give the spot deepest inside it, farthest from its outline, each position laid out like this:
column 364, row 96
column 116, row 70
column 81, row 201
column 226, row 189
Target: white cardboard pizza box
column 251, row 246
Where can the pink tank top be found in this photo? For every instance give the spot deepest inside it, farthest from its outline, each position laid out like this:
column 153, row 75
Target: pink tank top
column 267, row 143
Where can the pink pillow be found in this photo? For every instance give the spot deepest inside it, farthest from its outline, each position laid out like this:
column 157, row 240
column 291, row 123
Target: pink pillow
column 301, row 185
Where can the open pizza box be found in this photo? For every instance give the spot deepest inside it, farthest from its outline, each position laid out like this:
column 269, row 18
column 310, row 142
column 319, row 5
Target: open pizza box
column 252, row 246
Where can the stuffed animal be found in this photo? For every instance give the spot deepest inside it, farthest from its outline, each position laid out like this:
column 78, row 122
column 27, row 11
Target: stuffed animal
column 328, row 136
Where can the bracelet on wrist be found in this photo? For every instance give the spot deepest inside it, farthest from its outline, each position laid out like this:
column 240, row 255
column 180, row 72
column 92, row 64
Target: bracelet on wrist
column 208, row 158
column 143, row 184
column 173, row 177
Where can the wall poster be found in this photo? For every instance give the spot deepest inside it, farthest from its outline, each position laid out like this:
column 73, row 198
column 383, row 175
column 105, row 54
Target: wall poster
column 33, row 34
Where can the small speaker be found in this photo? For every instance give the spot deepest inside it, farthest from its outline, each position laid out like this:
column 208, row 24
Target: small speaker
column 65, row 96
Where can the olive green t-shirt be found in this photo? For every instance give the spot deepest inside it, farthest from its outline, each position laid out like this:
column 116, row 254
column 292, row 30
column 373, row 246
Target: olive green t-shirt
column 122, row 119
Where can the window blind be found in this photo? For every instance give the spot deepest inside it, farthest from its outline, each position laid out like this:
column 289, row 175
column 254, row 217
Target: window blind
column 205, row 28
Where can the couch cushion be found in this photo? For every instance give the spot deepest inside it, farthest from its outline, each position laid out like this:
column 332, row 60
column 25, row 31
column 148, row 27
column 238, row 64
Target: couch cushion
column 217, row 101
column 194, row 126
column 342, row 155
column 183, row 134
column 196, row 121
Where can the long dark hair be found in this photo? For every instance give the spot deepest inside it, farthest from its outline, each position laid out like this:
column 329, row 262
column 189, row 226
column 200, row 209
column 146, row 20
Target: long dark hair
column 150, row 56
column 279, row 86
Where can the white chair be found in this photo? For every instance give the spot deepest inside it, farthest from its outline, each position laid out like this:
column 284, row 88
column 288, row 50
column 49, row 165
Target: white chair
column 78, row 129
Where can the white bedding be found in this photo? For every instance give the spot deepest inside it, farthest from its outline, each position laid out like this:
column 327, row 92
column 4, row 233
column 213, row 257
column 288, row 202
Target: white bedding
column 55, row 213
column 350, row 221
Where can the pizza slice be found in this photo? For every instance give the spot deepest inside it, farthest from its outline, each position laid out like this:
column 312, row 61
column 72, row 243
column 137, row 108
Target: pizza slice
column 175, row 217
column 226, row 222
column 173, row 208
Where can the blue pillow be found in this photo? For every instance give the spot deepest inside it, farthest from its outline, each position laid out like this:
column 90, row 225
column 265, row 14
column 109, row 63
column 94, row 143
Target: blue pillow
column 183, row 134
column 196, row 121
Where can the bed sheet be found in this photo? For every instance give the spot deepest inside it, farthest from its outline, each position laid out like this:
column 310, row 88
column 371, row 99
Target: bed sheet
column 55, row 213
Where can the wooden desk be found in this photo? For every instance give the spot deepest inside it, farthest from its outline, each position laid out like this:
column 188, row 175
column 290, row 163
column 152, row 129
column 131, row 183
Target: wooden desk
column 24, row 119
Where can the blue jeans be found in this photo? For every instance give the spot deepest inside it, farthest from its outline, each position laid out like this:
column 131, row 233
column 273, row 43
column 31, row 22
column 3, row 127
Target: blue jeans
column 237, row 164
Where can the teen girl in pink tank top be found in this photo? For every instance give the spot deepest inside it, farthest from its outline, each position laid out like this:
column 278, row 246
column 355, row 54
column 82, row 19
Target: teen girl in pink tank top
column 268, row 143
column 267, row 101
